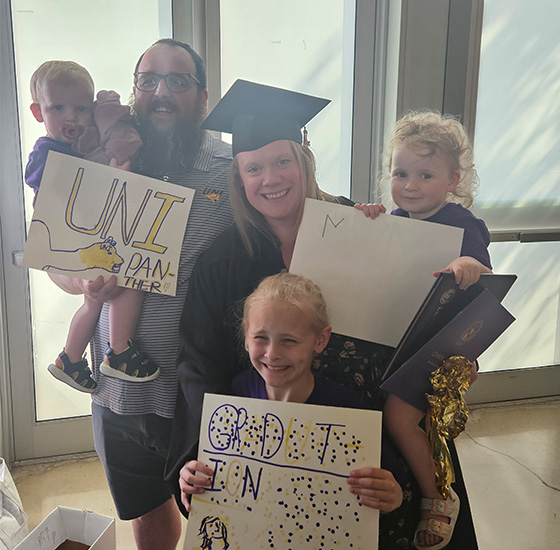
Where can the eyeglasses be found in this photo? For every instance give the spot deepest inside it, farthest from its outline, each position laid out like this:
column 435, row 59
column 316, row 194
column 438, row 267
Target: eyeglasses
column 176, row 82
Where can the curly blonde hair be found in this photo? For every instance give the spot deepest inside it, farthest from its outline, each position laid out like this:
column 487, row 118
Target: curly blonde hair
column 443, row 135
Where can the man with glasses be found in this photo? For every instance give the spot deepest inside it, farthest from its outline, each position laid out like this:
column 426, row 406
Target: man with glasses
column 132, row 422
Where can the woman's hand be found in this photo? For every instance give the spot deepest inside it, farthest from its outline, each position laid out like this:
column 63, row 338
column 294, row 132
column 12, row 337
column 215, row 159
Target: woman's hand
column 376, row 488
column 192, row 475
column 371, row 210
column 467, row 271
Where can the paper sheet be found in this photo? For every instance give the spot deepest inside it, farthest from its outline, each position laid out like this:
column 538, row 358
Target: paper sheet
column 92, row 220
column 374, row 274
column 280, row 476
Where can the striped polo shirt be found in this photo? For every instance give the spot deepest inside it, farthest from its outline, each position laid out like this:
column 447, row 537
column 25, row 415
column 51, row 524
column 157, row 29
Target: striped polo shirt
column 157, row 332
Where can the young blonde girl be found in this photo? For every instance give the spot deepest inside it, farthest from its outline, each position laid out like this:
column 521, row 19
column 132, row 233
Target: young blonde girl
column 285, row 323
column 432, row 176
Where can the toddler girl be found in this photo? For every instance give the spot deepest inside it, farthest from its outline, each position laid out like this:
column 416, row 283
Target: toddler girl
column 432, row 175
column 285, row 324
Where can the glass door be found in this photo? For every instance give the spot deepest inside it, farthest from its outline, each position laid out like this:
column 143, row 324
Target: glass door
column 303, row 46
column 517, row 146
column 107, row 38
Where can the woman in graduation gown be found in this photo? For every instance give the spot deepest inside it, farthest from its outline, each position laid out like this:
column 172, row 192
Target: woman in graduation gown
column 271, row 175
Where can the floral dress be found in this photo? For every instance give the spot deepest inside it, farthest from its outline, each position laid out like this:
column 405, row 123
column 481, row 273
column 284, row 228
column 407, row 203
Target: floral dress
column 360, row 365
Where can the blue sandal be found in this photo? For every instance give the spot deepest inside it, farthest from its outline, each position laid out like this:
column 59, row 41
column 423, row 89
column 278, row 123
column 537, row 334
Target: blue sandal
column 77, row 375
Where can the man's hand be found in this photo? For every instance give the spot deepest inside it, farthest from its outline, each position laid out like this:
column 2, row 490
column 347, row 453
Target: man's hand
column 101, row 290
column 98, row 290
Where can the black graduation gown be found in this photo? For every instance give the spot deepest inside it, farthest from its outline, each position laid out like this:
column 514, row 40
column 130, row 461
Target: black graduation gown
column 211, row 354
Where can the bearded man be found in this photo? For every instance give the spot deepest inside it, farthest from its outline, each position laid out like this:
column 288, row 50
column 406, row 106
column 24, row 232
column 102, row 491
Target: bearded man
column 132, row 422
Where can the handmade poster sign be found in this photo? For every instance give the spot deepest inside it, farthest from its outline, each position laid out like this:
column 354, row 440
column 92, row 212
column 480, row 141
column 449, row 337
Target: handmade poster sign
column 92, row 220
column 374, row 274
column 280, row 476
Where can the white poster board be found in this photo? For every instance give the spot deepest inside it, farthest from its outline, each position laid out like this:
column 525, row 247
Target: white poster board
column 374, row 274
column 92, row 220
column 280, row 476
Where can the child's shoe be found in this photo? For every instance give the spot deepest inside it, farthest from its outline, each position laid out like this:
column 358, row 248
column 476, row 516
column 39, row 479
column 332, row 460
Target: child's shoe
column 131, row 365
column 77, row 375
column 446, row 508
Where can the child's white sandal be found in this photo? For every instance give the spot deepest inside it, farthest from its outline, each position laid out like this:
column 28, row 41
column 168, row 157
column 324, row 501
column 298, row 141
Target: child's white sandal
column 448, row 508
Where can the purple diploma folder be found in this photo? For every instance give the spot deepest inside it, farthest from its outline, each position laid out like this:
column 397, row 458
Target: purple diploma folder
column 468, row 334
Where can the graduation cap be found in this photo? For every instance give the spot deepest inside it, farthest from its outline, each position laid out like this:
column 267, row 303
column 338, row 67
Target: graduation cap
column 257, row 115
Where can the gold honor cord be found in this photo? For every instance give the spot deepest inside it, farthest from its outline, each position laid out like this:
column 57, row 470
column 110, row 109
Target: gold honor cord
column 447, row 414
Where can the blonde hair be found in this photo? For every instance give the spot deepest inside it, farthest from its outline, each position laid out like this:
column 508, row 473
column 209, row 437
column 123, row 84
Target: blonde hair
column 296, row 290
column 443, row 135
column 248, row 219
column 64, row 72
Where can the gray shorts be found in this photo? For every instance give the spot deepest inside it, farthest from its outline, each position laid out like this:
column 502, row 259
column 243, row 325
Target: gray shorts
column 133, row 450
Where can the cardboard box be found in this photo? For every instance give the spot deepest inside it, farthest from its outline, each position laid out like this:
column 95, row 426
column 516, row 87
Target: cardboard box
column 66, row 524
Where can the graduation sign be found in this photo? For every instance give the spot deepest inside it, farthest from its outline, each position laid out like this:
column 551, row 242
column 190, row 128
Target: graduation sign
column 280, row 474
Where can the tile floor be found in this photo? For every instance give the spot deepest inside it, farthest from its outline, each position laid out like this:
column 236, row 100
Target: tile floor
column 509, row 454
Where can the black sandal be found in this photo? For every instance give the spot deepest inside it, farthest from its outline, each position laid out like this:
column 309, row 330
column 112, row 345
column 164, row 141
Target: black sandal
column 131, row 365
column 77, row 375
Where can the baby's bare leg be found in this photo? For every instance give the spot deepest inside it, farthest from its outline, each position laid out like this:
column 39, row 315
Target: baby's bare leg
column 81, row 330
column 123, row 317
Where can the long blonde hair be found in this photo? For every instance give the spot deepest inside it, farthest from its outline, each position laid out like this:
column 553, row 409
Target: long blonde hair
column 443, row 135
column 297, row 290
column 249, row 220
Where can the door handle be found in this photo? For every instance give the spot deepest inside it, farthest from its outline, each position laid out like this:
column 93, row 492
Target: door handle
column 17, row 258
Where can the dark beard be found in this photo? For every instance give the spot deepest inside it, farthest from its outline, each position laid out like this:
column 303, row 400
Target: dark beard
column 166, row 151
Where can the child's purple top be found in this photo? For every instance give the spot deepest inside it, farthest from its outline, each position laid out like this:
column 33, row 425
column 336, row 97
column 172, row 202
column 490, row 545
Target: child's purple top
column 250, row 383
column 476, row 237
column 38, row 158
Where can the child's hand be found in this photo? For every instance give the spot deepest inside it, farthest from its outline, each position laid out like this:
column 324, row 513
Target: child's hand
column 467, row 271
column 376, row 488
column 371, row 210
column 191, row 474
column 474, row 373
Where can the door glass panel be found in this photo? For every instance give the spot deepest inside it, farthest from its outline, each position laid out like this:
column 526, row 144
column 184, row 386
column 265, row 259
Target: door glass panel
column 303, row 46
column 107, row 38
column 534, row 300
column 517, row 146
column 517, row 137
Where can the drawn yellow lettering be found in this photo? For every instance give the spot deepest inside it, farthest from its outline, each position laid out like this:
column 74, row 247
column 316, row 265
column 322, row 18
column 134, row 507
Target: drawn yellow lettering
column 295, row 442
column 233, row 477
column 72, row 201
column 149, row 243
column 121, row 202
